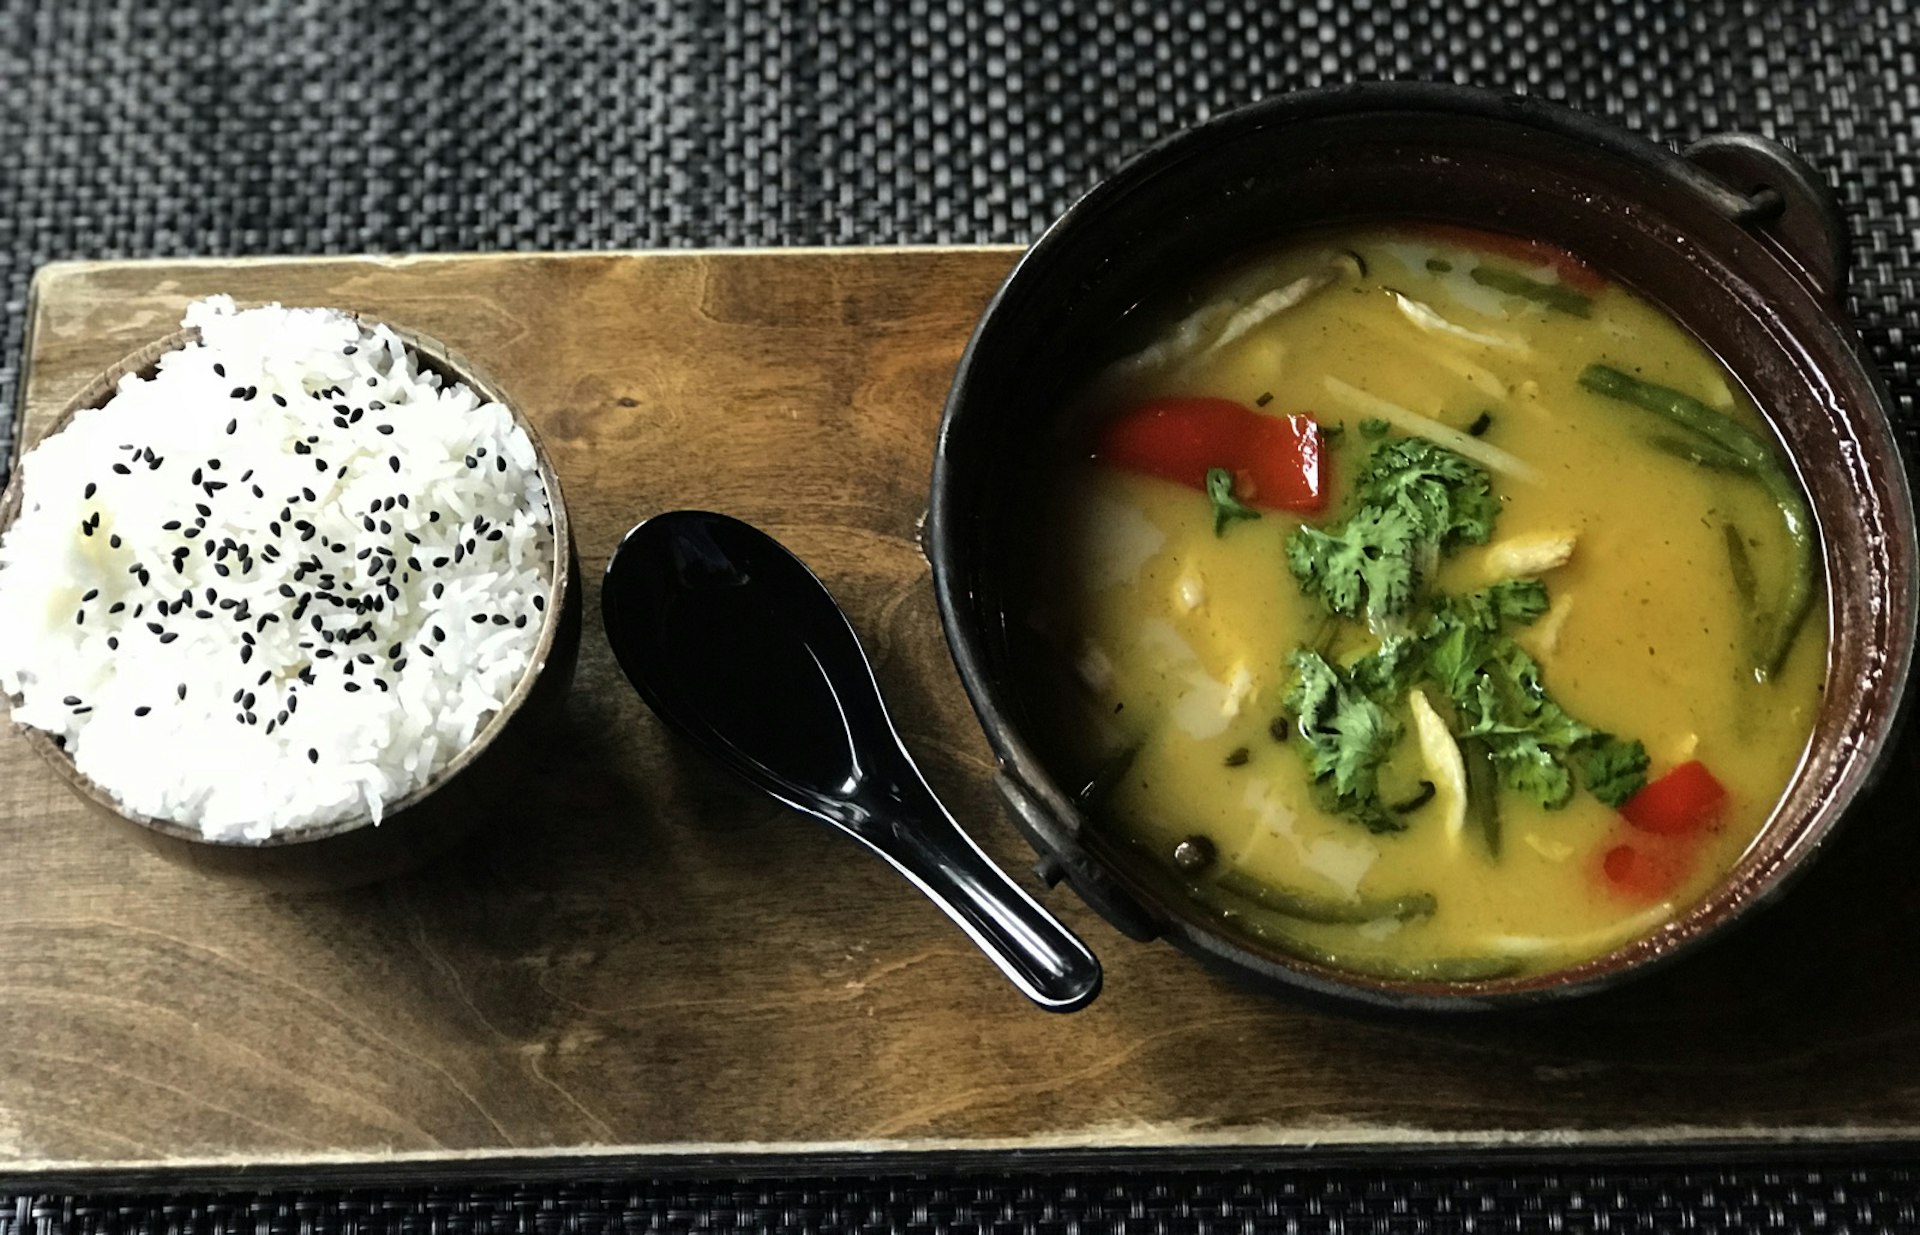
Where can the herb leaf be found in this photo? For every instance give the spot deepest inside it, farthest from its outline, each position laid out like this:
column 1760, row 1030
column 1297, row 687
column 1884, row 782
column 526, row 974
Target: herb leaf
column 1347, row 737
column 1226, row 507
column 1417, row 502
column 1613, row 770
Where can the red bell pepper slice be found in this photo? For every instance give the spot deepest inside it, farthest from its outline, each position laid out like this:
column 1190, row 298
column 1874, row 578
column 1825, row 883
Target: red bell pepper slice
column 1275, row 460
column 1570, row 270
column 1646, row 872
column 1684, row 800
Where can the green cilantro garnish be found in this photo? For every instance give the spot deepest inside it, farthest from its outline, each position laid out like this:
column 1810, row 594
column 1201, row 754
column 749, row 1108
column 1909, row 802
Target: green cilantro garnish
column 1374, row 427
column 1418, row 502
column 1347, row 737
column 1226, row 507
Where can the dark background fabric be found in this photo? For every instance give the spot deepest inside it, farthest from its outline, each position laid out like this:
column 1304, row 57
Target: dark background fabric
column 203, row 127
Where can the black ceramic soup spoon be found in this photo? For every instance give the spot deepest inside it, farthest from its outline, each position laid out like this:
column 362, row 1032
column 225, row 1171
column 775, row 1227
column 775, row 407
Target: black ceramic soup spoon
column 735, row 644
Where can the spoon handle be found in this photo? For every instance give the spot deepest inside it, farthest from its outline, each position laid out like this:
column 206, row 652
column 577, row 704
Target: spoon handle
column 1036, row 952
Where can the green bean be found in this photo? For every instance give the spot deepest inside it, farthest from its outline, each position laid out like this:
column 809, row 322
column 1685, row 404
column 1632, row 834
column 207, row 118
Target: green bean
column 1683, row 410
column 1438, row 969
column 1324, row 910
column 1742, row 567
column 1483, row 790
column 1755, row 455
column 1553, row 295
column 1703, row 452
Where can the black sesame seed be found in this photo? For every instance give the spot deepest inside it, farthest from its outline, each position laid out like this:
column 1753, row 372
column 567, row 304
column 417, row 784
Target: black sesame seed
column 238, row 392
column 232, row 425
column 114, row 541
column 83, row 711
column 500, row 619
column 219, row 370
column 472, row 462
column 72, row 701
column 352, row 687
column 142, row 710
column 122, row 469
column 313, row 756
column 277, row 399
column 393, row 461
column 171, row 525
column 180, row 691
column 539, row 601
column 156, row 628
column 90, row 489
column 169, row 637
column 89, row 594
column 205, row 511
column 433, row 516
column 117, row 606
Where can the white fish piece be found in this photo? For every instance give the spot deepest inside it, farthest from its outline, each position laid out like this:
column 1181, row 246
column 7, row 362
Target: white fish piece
column 1592, row 941
column 1551, row 850
column 1190, row 590
column 1444, row 764
column 1341, row 862
column 1423, row 316
column 1358, row 401
column 1269, row 306
column 1115, row 539
column 1543, row 637
column 1524, row 557
column 1095, row 667
column 1215, row 325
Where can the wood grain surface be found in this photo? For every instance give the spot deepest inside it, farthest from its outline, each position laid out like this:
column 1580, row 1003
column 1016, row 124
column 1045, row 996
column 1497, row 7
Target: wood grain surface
column 656, row 964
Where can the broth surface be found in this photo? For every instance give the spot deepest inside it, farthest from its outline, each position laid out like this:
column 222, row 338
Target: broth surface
column 1180, row 638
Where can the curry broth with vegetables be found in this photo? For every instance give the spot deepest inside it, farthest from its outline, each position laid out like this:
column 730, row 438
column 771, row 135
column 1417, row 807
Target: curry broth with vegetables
column 1435, row 608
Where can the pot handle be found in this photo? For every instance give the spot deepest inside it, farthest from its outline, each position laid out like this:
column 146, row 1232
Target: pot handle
column 1781, row 197
column 1063, row 858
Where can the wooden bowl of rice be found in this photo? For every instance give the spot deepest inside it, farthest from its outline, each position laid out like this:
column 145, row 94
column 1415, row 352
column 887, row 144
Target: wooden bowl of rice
column 431, row 816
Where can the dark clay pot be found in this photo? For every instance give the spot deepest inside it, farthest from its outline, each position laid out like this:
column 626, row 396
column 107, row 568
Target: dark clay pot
column 1737, row 239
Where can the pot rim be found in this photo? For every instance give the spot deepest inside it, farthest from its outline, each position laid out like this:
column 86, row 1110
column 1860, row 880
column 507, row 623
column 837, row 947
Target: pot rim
column 1053, row 823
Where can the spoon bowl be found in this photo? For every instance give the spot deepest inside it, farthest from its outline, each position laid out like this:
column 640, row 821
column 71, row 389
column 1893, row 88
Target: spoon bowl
column 740, row 648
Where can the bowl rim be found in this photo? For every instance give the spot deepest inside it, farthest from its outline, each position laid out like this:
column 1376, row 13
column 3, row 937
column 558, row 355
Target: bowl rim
column 430, row 353
column 1052, row 822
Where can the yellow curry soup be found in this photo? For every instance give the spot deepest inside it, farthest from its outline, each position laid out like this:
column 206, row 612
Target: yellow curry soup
column 1653, row 569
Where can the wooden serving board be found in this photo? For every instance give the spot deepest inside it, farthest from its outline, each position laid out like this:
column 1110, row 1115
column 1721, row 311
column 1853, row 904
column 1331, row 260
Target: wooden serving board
column 654, row 968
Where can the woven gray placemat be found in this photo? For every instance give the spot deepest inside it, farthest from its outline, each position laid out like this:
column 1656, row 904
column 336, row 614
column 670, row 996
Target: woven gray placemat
column 295, row 126
column 1309, row 1202
column 291, row 126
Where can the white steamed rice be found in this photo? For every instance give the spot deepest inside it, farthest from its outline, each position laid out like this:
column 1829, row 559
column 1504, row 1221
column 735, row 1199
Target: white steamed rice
column 283, row 582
